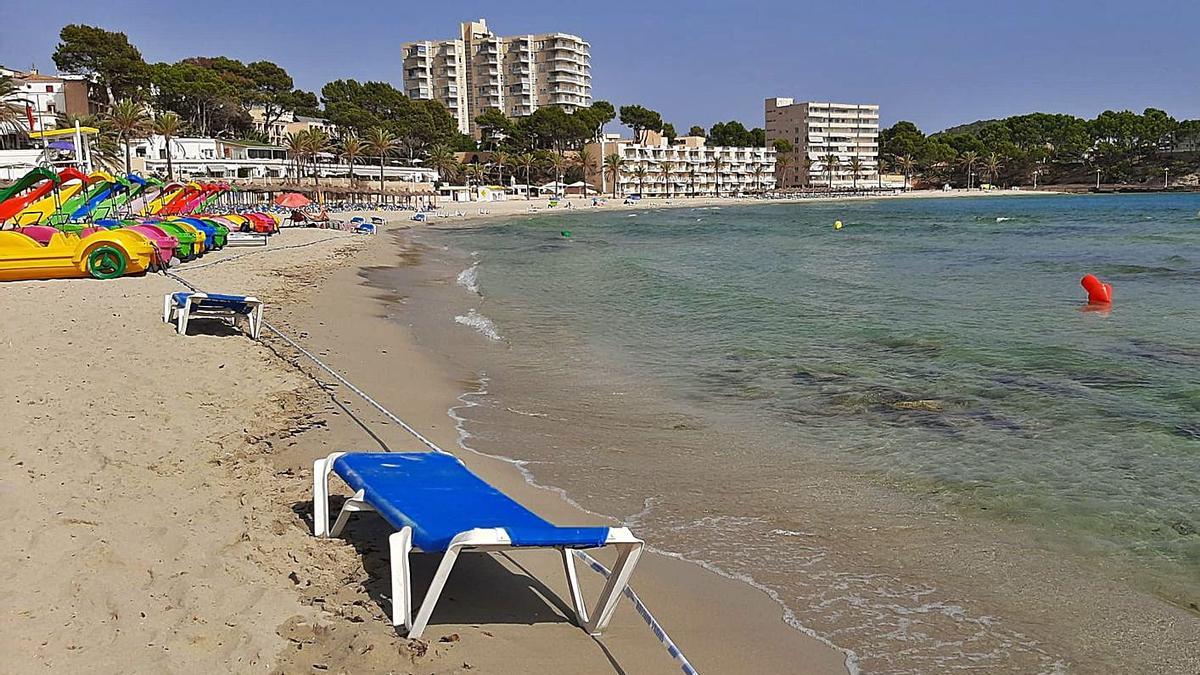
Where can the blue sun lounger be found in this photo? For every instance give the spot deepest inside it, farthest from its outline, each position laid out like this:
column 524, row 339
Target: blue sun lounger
column 438, row 505
column 184, row 305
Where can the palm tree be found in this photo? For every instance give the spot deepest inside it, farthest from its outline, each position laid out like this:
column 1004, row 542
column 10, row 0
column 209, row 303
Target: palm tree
column 968, row 161
column 381, row 143
column 692, row 178
column 758, row 172
column 294, row 143
column 832, row 163
column 499, row 159
column 805, row 170
column 559, row 162
column 12, row 113
column 718, row 163
column 666, row 167
column 881, row 164
column 441, row 159
column 584, row 160
column 856, row 167
column 993, row 164
column 612, row 164
column 351, row 148
column 168, row 125
column 475, row 172
column 527, row 160
column 130, row 121
column 906, row 164
column 781, row 166
column 640, row 173
column 316, row 141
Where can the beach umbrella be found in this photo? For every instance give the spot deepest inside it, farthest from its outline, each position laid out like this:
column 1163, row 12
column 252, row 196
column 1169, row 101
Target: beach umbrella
column 62, row 145
column 292, row 200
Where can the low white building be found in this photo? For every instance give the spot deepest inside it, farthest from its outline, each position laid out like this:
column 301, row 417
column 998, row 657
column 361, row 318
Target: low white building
column 686, row 167
column 220, row 158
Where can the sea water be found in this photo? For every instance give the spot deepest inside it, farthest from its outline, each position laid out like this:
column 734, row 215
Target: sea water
column 873, row 424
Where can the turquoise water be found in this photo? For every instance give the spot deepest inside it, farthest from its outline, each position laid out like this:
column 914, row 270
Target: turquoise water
column 940, row 345
column 927, row 338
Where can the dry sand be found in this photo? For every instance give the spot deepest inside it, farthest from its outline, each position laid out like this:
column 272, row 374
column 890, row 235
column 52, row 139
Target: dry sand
column 158, row 496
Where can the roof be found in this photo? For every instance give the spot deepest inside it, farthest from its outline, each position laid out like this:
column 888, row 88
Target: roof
column 311, row 120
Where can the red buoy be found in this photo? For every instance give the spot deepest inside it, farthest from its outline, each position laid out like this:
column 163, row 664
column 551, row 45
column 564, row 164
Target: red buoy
column 1099, row 293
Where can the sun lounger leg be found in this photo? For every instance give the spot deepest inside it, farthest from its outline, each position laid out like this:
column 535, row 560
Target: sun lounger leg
column 321, row 469
column 183, row 316
column 167, row 302
column 256, row 322
column 400, row 544
column 435, row 590
column 627, row 558
column 577, row 601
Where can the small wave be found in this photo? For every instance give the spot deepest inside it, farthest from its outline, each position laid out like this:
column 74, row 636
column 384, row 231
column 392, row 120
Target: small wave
column 1002, row 219
column 469, row 278
column 480, row 323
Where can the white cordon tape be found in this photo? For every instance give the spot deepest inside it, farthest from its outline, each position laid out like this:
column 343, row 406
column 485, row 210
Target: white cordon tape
column 595, row 565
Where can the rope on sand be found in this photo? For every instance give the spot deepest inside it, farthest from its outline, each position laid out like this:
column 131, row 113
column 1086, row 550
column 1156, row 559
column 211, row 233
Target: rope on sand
column 595, row 565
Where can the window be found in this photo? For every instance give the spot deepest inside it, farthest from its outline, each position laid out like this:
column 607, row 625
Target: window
column 49, row 89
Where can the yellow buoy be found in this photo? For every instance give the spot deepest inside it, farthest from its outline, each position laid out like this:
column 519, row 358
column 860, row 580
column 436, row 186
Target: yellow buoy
column 837, row 224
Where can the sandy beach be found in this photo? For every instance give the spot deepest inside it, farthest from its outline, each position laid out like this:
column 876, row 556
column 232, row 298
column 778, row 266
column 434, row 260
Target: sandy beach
column 160, row 494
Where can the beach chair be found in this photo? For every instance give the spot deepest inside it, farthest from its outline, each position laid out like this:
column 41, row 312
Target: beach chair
column 439, row 506
column 184, row 305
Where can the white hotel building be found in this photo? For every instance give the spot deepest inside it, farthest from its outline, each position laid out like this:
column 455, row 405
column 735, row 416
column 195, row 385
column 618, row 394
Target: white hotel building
column 848, row 131
column 687, row 167
column 516, row 75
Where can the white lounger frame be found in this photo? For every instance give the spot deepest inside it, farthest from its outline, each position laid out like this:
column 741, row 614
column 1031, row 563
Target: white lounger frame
column 629, row 549
column 180, row 315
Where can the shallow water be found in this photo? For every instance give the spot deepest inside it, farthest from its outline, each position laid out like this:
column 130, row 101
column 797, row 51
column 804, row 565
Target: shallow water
column 832, row 413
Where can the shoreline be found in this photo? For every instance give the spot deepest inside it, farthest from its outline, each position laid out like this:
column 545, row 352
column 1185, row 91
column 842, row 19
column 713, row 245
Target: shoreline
column 467, row 213
column 303, row 602
column 1117, row 599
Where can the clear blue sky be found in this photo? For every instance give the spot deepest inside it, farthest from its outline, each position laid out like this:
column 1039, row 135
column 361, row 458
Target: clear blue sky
column 698, row 62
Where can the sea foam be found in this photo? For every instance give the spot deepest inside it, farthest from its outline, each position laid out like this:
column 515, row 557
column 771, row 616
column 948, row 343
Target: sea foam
column 480, row 323
column 469, row 278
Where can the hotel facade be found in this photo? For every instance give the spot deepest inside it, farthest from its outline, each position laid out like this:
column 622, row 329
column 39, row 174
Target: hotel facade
column 847, row 131
column 516, row 74
column 685, row 167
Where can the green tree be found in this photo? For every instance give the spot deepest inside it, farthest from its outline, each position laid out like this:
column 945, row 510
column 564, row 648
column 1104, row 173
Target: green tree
column 316, row 141
column 734, row 134
column 668, row 130
column 474, row 173
column 381, row 143
column 832, row 163
column 993, row 163
column 613, row 165
column 640, row 120
column 585, row 162
column 494, row 127
column 596, row 116
column 718, row 165
column 758, row 172
column 640, row 174
column 350, row 148
column 968, row 160
column 856, row 167
column 168, row 125
column 441, row 159
column 697, row 130
column 906, row 164
column 500, row 159
column 116, row 65
column 130, row 121
column 12, row 113
column 667, row 168
column 559, row 162
column 526, row 160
